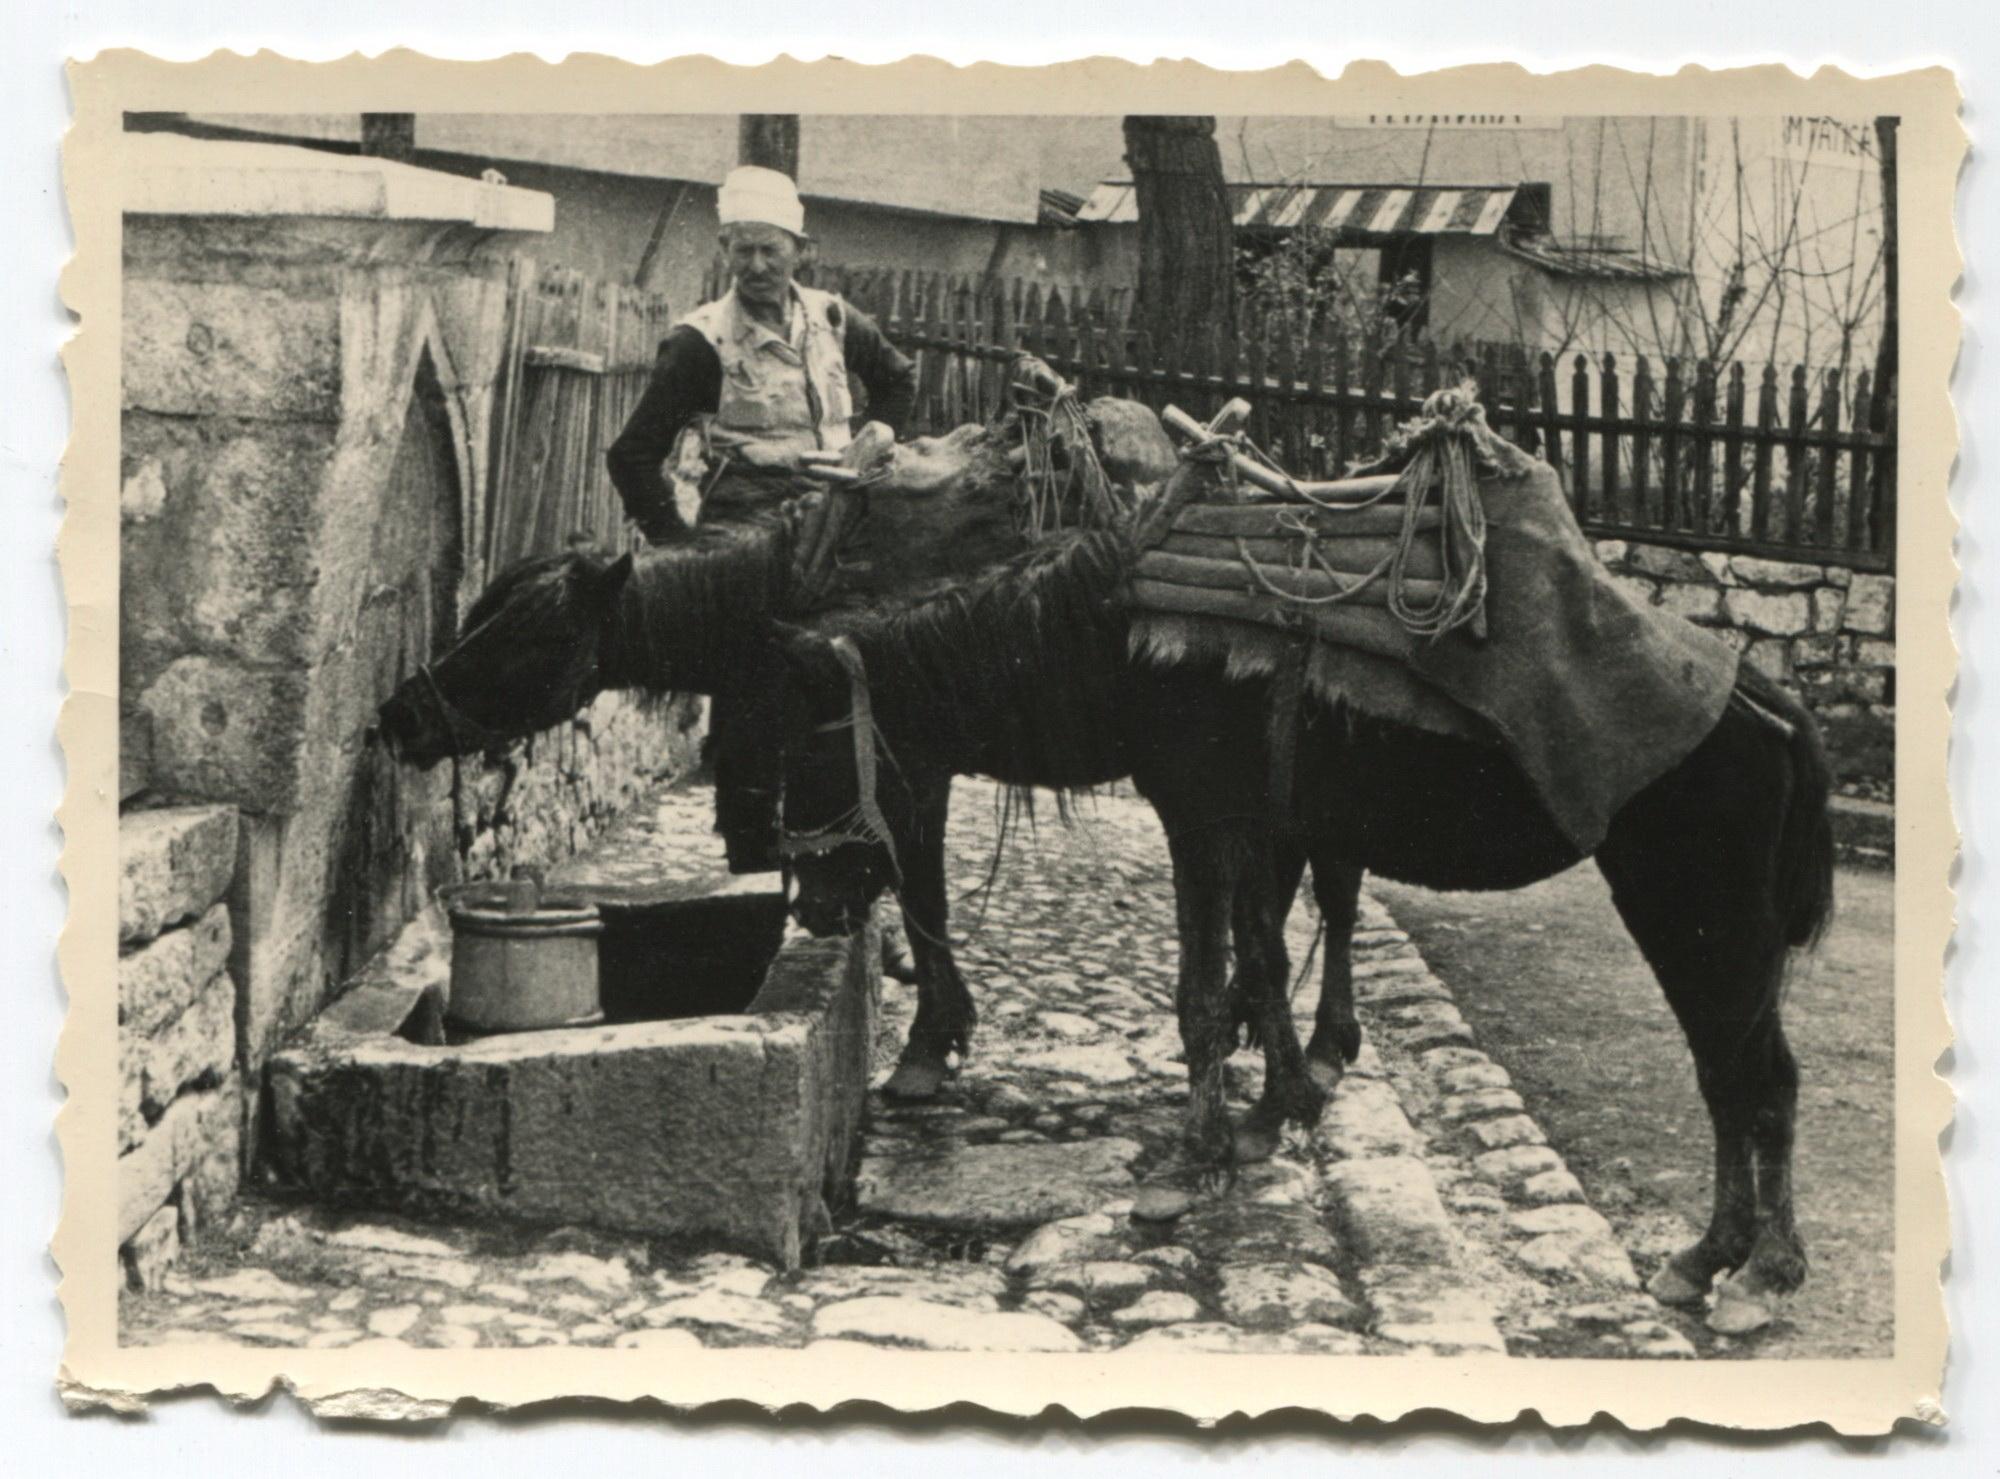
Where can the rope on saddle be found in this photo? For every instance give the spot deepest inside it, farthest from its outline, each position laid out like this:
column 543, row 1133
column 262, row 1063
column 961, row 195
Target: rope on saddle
column 1443, row 444
column 1079, row 488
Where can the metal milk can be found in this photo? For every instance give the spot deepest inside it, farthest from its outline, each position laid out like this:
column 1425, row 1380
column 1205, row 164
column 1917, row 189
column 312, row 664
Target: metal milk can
column 520, row 961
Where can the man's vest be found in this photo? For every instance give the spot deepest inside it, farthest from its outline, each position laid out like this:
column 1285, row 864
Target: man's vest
column 776, row 400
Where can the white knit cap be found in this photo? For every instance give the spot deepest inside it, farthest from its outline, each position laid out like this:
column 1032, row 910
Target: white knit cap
column 751, row 194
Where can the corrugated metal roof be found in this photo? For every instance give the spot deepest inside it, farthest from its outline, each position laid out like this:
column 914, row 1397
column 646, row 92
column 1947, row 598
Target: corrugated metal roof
column 1374, row 210
column 1588, row 261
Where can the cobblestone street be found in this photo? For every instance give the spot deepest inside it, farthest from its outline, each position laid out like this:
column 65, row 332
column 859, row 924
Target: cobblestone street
column 1424, row 1213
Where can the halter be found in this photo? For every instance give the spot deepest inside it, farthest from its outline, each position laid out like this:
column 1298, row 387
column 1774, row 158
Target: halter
column 869, row 826
column 467, row 733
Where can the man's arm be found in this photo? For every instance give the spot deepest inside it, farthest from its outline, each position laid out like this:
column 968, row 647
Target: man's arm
column 686, row 382
column 888, row 373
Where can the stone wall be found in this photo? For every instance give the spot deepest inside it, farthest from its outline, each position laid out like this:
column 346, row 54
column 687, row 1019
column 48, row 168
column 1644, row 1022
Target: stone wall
column 1827, row 633
column 310, row 358
column 179, row 1106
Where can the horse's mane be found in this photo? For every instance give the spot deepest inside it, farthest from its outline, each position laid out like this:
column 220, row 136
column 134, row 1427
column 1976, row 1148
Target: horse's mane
column 1013, row 673
column 689, row 607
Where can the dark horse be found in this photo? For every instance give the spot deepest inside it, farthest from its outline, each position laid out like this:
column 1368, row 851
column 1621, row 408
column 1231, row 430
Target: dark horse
column 550, row 634
column 1718, row 868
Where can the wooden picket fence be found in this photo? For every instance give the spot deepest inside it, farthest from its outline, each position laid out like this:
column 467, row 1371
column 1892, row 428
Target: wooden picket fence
column 577, row 354
column 1793, row 465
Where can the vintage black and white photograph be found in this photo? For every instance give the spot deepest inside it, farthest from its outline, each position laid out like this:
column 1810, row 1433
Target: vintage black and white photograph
column 1073, row 733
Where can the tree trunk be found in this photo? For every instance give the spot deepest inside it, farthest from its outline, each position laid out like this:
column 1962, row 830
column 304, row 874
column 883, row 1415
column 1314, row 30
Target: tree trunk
column 1885, row 355
column 1187, row 241
column 770, row 140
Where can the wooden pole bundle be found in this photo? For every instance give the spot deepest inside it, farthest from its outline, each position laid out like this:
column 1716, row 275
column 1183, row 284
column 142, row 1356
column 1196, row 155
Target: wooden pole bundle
column 1363, row 589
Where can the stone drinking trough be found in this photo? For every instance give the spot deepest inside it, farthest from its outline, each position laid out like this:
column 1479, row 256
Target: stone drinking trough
column 720, row 1099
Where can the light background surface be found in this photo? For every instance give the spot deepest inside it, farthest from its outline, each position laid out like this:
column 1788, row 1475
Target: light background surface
column 195, row 1436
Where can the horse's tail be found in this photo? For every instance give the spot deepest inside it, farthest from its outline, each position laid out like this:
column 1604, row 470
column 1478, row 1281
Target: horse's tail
column 1805, row 837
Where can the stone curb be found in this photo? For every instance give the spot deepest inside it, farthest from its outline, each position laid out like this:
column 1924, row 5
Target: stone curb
column 1468, row 1232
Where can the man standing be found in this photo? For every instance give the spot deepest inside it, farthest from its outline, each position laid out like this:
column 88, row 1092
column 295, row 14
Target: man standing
column 756, row 377
column 742, row 387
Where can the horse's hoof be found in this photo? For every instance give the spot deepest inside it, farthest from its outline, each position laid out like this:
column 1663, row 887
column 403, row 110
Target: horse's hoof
column 1671, row 1286
column 1738, row 1310
column 915, row 1081
column 1325, row 1076
column 1253, row 1143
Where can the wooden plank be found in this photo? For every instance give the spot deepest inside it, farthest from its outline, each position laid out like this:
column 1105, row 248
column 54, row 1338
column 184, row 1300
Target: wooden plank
column 1828, row 457
column 1760, row 452
column 1363, row 628
column 1855, row 535
column 1795, row 460
column 1312, row 585
column 1353, row 554
column 1673, row 504
column 1552, row 422
column 1607, row 401
column 1732, row 452
column 1703, row 446
column 1259, row 519
column 1579, row 410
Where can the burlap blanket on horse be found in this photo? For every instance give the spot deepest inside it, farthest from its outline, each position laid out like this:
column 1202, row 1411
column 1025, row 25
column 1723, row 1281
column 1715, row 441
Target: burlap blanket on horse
column 1592, row 695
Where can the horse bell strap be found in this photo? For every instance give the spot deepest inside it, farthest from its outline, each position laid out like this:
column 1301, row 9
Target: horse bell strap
column 862, row 710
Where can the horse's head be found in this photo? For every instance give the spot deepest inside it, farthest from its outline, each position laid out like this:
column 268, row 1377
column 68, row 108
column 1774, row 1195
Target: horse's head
column 834, row 832
column 532, row 654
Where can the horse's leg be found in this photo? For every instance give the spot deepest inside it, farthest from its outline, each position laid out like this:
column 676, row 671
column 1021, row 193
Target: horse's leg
column 1336, row 1035
column 1290, row 1090
column 1203, row 895
column 1705, row 920
column 1288, row 866
column 945, row 1013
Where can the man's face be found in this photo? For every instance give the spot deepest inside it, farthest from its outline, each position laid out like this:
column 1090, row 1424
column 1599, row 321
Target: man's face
column 762, row 260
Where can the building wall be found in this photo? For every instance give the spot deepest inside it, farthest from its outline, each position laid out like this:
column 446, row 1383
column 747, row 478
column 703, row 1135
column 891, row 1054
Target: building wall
column 292, row 386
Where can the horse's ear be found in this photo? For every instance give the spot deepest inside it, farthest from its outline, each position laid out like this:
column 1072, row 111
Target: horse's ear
column 606, row 583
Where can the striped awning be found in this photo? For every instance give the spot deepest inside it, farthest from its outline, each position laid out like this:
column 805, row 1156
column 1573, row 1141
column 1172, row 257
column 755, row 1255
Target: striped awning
column 1369, row 210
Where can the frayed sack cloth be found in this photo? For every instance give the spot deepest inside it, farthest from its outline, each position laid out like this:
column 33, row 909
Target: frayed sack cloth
column 1592, row 695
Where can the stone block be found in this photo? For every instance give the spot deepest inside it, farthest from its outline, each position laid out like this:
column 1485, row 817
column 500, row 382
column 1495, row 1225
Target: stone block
column 152, row 1250
column 135, row 755
column 733, row 1127
column 1874, row 652
column 231, row 349
column 1829, row 605
column 1390, row 1211
column 1276, row 1296
column 197, row 1140
column 1871, row 605
column 1817, row 651
column 1787, row 575
column 1514, row 1164
column 226, row 730
column 1641, row 591
column 1696, row 603
column 997, row 1185
column 194, row 1049
column 1768, row 655
column 1716, row 564
column 939, row 1327
column 1611, row 551
column 1478, row 1104
column 1363, row 1118
column 1777, row 614
column 161, row 979
column 1499, row 1134
column 1679, row 566
column 174, row 864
